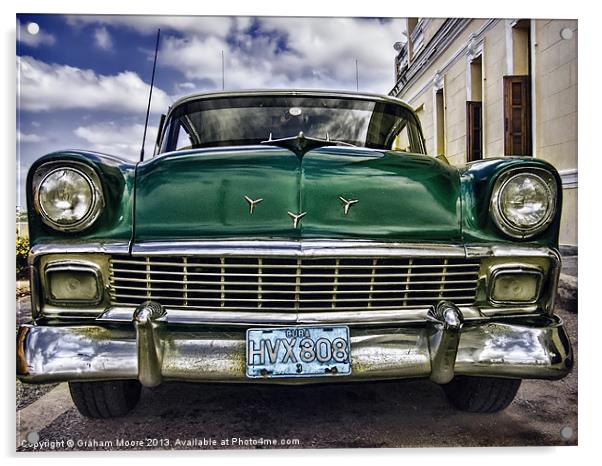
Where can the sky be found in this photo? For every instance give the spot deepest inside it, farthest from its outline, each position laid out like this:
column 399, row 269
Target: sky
column 83, row 81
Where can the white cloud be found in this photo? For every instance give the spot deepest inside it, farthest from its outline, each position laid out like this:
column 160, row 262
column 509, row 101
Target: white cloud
column 195, row 57
column 24, row 137
column 330, row 46
column 271, row 52
column 45, row 87
column 186, row 86
column 148, row 24
column 291, row 52
column 103, row 39
column 33, row 40
column 118, row 139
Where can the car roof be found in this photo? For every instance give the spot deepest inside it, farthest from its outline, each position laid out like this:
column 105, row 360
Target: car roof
column 292, row 92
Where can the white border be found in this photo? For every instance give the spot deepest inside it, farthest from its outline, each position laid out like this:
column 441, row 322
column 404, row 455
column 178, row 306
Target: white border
column 590, row 225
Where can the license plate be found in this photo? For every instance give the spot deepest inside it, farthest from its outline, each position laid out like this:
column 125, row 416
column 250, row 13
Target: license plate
column 298, row 352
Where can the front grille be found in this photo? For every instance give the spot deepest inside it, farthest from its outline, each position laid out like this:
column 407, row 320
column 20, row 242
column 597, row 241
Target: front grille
column 291, row 284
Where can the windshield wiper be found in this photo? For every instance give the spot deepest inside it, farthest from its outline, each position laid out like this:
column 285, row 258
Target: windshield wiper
column 301, row 144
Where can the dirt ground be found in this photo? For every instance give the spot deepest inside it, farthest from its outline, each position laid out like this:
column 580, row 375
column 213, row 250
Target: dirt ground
column 411, row 413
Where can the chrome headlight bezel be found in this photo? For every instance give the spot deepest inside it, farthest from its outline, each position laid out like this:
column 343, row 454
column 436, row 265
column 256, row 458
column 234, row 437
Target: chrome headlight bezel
column 89, row 175
column 547, row 179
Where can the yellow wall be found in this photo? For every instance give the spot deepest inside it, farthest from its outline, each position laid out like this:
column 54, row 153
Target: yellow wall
column 556, row 92
column 568, row 223
column 554, row 69
column 494, row 64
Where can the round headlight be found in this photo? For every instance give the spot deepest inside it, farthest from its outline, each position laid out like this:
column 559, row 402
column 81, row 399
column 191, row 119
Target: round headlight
column 523, row 204
column 68, row 199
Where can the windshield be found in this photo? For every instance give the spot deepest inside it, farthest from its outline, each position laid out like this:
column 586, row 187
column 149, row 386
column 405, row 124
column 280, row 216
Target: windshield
column 248, row 120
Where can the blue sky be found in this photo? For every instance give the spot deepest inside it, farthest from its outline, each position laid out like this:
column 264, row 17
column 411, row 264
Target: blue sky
column 84, row 80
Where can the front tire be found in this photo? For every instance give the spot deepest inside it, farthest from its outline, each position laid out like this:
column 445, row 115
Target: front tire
column 102, row 400
column 481, row 394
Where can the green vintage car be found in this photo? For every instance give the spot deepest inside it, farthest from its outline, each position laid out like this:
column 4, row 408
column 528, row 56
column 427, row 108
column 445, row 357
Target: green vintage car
column 291, row 237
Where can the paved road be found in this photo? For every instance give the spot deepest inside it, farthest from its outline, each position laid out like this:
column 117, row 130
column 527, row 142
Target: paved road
column 410, row 413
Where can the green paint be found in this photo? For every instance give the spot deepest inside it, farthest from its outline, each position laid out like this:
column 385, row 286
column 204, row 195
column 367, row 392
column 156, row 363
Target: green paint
column 199, row 194
column 478, row 180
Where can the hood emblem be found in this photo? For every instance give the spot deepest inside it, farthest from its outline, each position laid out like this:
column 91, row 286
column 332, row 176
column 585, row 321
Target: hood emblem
column 347, row 203
column 252, row 203
column 301, row 144
column 296, row 218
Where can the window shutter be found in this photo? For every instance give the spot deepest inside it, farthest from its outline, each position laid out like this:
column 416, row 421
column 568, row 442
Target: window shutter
column 474, row 131
column 517, row 115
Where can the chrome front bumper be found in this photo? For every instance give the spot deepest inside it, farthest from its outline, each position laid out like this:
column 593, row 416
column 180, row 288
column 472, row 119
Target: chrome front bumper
column 153, row 352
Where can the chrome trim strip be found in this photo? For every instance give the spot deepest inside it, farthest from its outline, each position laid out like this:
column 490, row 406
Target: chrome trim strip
column 305, row 248
column 240, row 318
column 308, row 248
column 292, row 93
column 35, row 291
column 509, row 250
column 117, row 247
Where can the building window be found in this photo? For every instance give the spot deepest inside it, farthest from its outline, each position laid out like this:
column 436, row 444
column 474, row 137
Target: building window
column 474, row 131
column 517, row 92
column 440, row 122
column 474, row 112
column 517, row 115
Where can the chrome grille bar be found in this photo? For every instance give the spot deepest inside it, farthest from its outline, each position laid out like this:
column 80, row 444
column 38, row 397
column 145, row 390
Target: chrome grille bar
column 366, row 275
column 283, row 266
column 222, row 280
column 372, row 275
column 335, row 286
column 185, row 281
column 295, row 284
column 301, row 292
column 443, row 278
column 148, row 278
column 259, row 282
column 193, row 282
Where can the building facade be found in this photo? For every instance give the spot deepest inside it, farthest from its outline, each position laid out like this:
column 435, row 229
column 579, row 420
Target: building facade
column 493, row 87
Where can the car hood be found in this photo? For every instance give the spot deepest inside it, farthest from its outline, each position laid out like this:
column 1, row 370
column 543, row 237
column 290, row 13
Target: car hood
column 206, row 193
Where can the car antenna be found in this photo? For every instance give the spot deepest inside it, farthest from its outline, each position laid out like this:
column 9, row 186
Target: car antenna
column 150, row 95
column 223, row 75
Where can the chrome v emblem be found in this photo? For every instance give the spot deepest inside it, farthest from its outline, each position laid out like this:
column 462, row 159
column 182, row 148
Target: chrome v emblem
column 296, row 218
column 252, row 203
column 347, row 203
